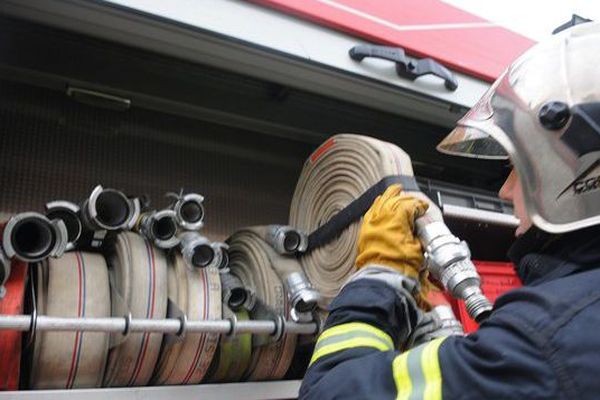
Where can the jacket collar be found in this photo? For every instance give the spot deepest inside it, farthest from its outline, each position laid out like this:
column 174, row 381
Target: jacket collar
column 540, row 256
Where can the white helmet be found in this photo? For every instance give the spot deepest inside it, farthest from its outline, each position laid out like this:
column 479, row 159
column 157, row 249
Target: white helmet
column 544, row 114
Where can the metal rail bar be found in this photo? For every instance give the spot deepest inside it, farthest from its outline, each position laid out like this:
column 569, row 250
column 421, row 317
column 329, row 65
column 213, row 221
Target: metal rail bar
column 169, row 325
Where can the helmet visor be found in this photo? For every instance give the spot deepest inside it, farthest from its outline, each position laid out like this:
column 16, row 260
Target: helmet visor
column 472, row 142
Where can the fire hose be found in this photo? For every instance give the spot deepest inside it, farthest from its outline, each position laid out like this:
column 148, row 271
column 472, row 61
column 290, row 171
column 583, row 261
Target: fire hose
column 337, row 185
column 75, row 285
column 138, row 274
column 253, row 261
column 194, row 294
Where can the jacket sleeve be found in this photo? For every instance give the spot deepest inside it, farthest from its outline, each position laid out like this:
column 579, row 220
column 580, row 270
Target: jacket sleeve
column 356, row 358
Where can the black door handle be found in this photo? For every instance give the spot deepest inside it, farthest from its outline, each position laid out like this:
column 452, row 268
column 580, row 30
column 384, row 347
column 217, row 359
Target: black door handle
column 405, row 68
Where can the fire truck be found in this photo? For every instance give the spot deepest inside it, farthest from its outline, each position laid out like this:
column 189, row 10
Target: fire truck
column 229, row 98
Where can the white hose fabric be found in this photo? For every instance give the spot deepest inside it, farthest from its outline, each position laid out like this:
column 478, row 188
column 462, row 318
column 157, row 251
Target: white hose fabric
column 197, row 293
column 252, row 260
column 75, row 285
column 337, row 173
column 139, row 278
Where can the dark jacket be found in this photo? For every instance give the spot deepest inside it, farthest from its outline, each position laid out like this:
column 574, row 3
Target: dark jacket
column 542, row 341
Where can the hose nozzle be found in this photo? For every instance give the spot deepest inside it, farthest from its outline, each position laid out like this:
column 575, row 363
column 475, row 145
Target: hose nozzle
column 69, row 214
column 32, row 237
column 198, row 251
column 189, row 209
column 109, row 209
column 159, row 227
column 449, row 260
column 286, row 240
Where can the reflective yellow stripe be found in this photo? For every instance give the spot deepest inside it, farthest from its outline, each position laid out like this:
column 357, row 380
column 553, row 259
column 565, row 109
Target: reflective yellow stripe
column 401, row 376
column 431, row 370
column 417, row 373
column 351, row 335
column 353, row 327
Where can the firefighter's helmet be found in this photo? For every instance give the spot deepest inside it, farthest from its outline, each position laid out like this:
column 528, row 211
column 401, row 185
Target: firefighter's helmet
column 544, row 114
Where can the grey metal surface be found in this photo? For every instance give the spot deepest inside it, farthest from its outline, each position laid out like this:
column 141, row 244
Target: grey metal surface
column 233, row 391
column 245, row 38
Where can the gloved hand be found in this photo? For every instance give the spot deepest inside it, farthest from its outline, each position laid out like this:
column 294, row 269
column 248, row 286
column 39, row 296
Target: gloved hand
column 386, row 237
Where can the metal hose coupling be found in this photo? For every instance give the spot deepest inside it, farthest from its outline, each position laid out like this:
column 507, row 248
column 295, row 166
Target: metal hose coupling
column 69, row 214
column 198, row 251
column 286, row 240
column 233, row 292
column 449, row 261
column 4, row 272
column 32, row 237
column 304, row 298
column 109, row 209
column 189, row 209
column 221, row 255
column 159, row 227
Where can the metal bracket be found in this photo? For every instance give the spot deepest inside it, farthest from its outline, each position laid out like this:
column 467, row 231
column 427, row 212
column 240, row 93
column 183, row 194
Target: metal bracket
column 404, row 67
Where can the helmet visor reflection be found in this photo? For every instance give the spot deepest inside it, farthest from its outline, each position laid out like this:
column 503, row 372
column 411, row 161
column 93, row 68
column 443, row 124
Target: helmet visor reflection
column 471, row 142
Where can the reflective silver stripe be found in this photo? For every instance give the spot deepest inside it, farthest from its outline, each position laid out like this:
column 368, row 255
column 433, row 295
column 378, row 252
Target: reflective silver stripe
column 417, row 373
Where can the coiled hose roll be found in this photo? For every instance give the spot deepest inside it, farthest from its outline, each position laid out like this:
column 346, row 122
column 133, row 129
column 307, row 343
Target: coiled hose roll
column 337, row 173
column 138, row 273
column 75, row 285
column 197, row 293
column 252, row 260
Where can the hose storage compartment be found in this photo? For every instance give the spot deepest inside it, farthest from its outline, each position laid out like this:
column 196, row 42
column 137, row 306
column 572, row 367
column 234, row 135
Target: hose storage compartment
column 138, row 273
column 196, row 293
column 75, row 285
column 252, row 260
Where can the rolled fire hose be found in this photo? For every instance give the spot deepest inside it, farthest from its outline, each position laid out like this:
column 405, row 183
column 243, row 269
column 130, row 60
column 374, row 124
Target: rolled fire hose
column 251, row 260
column 32, row 237
column 234, row 354
column 138, row 273
column 287, row 241
column 196, row 294
column 75, row 285
column 342, row 170
column 10, row 341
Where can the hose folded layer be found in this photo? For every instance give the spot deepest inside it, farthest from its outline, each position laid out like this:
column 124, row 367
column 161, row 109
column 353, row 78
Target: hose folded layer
column 255, row 263
column 196, row 293
column 337, row 173
column 138, row 274
column 75, row 285
column 10, row 341
column 234, row 354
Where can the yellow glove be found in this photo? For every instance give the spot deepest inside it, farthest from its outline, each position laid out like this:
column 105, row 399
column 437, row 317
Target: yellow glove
column 386, row 237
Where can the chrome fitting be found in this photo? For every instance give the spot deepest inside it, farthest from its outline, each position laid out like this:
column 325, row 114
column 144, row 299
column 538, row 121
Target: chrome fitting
column 109, row 209
column 197, row 250
column 159, row 227
column 189, row 209
column 4, row 272
column 449, row 261
column 303, row 297
column 234, row 293
column 69, row 214
column 221, row 254
column 286, row 240
column 32, row 237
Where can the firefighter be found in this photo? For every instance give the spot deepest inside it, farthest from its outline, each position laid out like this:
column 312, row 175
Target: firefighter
column 541, row 341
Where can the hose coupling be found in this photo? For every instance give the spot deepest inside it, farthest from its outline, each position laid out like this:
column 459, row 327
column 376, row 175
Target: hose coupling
column 69, row 214
column 109, row 209
column 197, row 250
column 189, row 210
column 159, row 227
column 286, row 240
column 234, row 293
column 304, row 298
column 32, row 237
